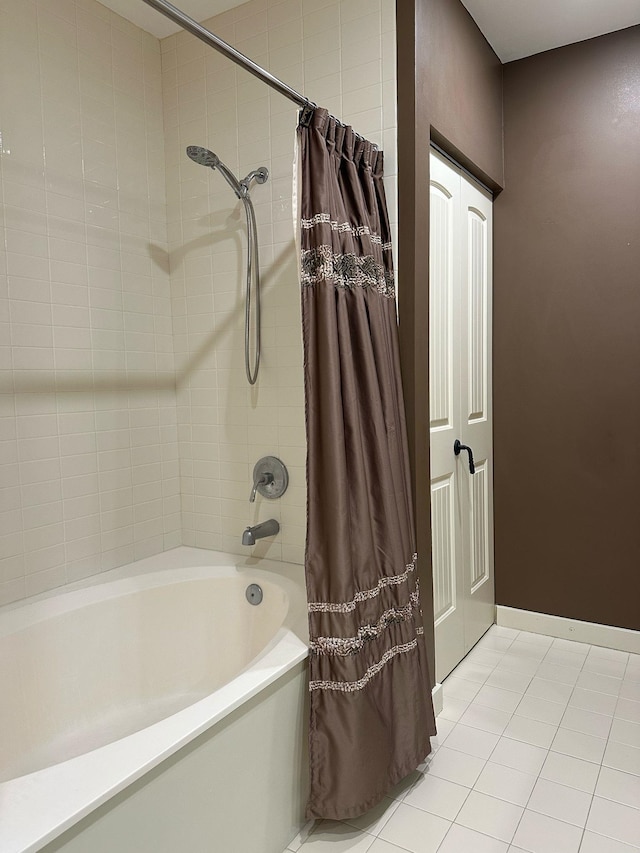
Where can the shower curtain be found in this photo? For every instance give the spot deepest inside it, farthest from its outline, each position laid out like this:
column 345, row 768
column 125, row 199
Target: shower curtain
column 371, row 712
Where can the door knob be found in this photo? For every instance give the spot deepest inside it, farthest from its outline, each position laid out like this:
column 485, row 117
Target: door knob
column 457, row 447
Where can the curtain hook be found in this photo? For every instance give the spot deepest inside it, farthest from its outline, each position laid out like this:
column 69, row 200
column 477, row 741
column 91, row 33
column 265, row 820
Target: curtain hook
column 306, row 114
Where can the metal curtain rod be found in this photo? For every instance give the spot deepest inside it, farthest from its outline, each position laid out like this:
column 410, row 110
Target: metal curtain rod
column 231, row 53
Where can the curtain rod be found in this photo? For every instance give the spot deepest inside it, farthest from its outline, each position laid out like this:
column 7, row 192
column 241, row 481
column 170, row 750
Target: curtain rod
column 187, row 23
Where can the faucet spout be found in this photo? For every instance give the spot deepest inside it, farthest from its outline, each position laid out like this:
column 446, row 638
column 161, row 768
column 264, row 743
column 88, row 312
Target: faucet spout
column 259, row 531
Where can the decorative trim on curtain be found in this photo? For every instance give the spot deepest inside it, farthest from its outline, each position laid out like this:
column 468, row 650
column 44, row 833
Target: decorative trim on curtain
column 371, row 713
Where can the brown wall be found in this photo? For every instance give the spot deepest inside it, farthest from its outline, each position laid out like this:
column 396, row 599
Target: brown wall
column 449, row 87
column 460, row 80
column 567, row 334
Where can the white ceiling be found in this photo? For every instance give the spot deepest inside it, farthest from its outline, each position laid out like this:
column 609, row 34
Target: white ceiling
column 157, row 24
column 517, row 28
column 514, row 28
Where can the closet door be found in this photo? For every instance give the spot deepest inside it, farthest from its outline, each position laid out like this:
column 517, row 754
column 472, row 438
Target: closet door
column 460, row 408
column 476, row 425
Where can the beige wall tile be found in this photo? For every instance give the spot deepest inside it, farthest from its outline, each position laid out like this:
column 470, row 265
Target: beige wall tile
column 106, row 453
column 77, row 228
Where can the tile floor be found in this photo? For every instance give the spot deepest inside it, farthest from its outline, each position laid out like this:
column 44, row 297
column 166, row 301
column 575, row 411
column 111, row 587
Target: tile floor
column 538, row 751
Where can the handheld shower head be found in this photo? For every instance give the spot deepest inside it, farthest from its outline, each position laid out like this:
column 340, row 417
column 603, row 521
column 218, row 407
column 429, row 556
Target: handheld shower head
column 204, row 157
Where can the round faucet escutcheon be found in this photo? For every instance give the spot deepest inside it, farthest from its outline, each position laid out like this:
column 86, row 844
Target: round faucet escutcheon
column 270, row 478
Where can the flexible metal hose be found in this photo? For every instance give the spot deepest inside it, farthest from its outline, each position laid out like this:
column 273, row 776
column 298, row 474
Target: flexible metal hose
column 253, row 272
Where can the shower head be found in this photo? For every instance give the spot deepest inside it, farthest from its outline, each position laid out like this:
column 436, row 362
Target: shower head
column 204, row 157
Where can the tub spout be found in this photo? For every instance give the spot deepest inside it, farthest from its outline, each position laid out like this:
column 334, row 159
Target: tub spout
column 267, row 528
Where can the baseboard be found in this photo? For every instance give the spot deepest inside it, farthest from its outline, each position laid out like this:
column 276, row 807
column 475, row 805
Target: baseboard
column 438, row 698
column 607, row 636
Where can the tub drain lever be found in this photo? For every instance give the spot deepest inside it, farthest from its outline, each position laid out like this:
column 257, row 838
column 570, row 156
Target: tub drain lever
column 253, row 593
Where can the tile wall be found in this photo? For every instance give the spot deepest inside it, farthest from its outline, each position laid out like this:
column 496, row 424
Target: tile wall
column 88, row 439
column 341, row 55
column 117, row 252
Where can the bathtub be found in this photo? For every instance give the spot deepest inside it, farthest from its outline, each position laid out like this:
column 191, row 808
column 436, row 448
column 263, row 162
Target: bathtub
column 156, row 709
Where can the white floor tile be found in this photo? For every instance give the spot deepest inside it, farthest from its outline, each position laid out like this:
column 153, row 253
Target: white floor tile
column 538, row 833
column 415, row 830
column 586, row 722
column 527, row 650
column 507, row 680
column 455, row 767
column 495, row 697
column 491, row 641
column 552, row 691
column 582, row 649
column 487, row 719
column 472, row 671
column 592, row 843
column 472, row 741
column 573, row 772
column 609, row 654
column 302, row 836
column 518, row 663
column 633, row 668
column 605, row 666
column 627, row 709
column 490, row 816
column 337, row 838
column 445, row 727
column 618, row 786
column 505, row 783
column 615, row 821
column 564, row 658
column 438, row 796
column 579, row 745
column 457, row 687
column 373, row 821
column 382, row 846
column 558, row 801
column 620, row 756
column 459, row 839
column 556, row 672
column 589, row 700
column 631, row 687
column 531, row 731
column 540, row 709
column 520, row 756
column 503, row 631
column 541, row 640
column 453, row 709
column 624, row 731
column 599, row 683
column 399, row 791
column 486, row 657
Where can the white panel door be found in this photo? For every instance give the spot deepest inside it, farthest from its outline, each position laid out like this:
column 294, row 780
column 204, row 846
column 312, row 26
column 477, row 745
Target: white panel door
column 460, row 408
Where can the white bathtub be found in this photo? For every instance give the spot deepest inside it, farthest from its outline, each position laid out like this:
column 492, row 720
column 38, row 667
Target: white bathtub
column 155, row 710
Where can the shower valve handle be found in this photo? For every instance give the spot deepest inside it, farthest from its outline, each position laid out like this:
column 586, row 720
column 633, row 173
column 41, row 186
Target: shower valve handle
column 457, row 447
column 264, row 480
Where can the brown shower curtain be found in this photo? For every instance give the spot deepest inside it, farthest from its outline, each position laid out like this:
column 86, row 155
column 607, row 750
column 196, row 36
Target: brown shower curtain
column 371, row 709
